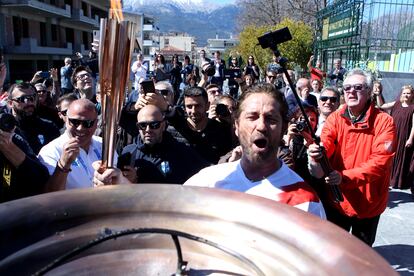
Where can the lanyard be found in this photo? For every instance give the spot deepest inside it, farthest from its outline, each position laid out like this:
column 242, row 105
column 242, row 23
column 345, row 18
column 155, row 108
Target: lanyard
column 82, row 162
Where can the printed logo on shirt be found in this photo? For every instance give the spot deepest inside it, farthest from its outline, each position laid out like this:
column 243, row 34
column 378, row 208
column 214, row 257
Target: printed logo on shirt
column 7, row 174
column 41, row 139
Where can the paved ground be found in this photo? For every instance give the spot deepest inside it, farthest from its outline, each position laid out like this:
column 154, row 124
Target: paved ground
column 395, row 236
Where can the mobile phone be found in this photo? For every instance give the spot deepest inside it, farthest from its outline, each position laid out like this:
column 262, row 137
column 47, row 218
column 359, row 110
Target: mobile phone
column 124, row 160
column 44, row 75
column 148, row 86
column 96, row 34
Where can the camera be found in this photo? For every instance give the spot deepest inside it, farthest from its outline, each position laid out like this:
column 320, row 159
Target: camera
column 301, row 126
column 222, row 110
column 7, row 122
column 271, row 39
column 208, row 68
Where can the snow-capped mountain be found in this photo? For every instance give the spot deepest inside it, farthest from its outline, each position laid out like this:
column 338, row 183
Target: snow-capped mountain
column 185, row 5
column 195, row 17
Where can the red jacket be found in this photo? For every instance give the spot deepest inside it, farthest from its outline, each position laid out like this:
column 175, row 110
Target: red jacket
column 362, row 153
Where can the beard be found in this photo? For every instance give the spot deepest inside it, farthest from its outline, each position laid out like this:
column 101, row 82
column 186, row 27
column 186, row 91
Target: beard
column 26, row 113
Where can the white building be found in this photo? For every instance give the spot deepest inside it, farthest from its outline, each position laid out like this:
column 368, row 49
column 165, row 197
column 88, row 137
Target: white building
column 221, row 44
column 147, row 33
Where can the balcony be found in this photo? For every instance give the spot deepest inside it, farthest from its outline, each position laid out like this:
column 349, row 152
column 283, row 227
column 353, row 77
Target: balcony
column 148, row 28
column 33, row 6
column 150, row 43
column 29, row 46
column 80, row 18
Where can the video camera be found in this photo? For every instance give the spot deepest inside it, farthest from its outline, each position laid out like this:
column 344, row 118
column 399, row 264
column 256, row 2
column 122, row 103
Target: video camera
column 271, row 39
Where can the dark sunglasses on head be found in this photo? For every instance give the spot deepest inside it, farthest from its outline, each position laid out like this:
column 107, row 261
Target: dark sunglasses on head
column 357, row 87
column 152, row 125
column 84, row 123
column 325, row 98
column 163, row 92
column 25, row 98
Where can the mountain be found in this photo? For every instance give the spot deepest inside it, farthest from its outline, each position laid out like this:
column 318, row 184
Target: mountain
column 195, row 17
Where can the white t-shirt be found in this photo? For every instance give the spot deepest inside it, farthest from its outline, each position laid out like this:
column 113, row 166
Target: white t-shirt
column 283, row 186
column 141, row 73
column 82, row 171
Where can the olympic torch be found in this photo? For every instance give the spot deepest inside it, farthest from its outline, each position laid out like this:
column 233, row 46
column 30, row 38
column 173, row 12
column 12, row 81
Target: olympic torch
column 116, row 43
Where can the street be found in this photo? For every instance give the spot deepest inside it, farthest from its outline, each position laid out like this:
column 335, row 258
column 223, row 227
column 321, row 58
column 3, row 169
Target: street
column 395, row 236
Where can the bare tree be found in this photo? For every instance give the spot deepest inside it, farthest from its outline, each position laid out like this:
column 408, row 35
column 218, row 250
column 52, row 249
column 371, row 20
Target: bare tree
column 271, row 12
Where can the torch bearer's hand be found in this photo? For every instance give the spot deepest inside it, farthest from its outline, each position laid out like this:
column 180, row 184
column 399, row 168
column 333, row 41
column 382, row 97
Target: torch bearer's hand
column 315, row 152
column 107, row 176
column 69, row 153
column 333, row 178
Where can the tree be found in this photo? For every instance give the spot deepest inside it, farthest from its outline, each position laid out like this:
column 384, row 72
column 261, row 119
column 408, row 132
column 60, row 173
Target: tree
column 271, row 12
column 296, row 50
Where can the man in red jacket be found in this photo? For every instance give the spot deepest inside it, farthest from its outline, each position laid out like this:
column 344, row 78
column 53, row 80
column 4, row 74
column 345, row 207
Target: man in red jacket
column 360, row 142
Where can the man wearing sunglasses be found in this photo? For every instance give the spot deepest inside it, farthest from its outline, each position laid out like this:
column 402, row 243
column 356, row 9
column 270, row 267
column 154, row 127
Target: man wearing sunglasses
column 360, row 142
column 157, row 156
column 328, row 102
column 69, row 157
column 22, row 100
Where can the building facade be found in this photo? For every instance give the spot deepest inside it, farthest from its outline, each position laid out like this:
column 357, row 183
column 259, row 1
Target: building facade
column 221, row 44
column 36, row 35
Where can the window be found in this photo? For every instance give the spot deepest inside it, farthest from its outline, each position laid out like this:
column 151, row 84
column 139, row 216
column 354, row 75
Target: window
column 43, row 41
column 85, row 8
column 54, row 31
column 25, row 28
column 85, row 39
column 17, row 31
column 167, row 41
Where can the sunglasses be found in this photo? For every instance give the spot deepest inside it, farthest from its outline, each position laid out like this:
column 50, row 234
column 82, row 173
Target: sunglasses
column 84, row 123
column 83, row 76
column 163, row 92
column 271, row 77
column 25, row 98
column 356, row 87
column 152, row 125
column 41, row 91
column 63, row 112
column 325, row 98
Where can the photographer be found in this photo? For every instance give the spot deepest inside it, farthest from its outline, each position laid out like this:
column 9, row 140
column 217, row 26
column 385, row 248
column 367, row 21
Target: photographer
column 65, row 75
column 222, row 109
column 298, row 138
column 23, row 174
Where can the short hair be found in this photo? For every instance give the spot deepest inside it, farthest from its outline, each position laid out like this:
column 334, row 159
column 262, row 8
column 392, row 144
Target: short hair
column 220, row 98
column 76, row 71
column 212, row 85
column 196, row 92
column 68, row 60
column 268, row 89
column 331, row 88
column 70, row 97
column 360, row 72
column 187, row 58
column 86, row 104
column 21, row 86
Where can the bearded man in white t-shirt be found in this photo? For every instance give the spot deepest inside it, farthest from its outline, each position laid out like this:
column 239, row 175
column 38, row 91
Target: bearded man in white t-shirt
column 261, row 120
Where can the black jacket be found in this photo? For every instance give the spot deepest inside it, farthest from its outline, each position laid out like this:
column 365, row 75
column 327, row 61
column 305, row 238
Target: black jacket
column 26, row 180
column 37, row 132
column 167, row 162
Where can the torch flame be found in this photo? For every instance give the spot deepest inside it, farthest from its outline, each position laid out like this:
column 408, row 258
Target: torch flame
column 116, row 10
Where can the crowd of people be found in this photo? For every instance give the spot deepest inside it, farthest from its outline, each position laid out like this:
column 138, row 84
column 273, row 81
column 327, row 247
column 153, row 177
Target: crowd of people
column 208, row 124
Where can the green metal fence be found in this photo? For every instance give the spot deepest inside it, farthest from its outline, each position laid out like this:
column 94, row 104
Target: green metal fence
column 378, row 35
